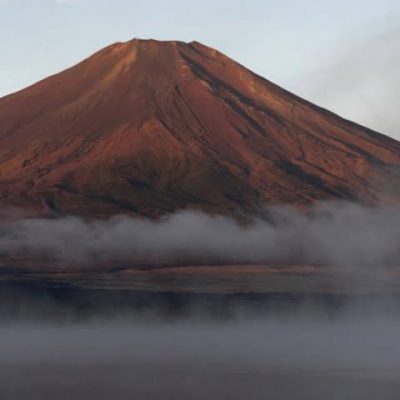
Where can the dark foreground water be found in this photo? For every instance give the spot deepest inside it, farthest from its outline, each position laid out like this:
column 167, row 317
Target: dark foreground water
column 69, row 344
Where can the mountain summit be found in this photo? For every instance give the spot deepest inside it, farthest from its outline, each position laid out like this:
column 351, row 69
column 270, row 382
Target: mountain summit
column 149, row 127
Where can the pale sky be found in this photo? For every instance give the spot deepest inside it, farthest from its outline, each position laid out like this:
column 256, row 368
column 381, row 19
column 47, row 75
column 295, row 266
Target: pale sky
column 341, row 54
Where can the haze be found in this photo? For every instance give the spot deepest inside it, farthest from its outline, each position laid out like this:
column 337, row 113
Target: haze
column 307, row 356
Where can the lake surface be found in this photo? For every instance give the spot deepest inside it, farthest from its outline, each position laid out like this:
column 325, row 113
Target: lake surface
column 302, row 355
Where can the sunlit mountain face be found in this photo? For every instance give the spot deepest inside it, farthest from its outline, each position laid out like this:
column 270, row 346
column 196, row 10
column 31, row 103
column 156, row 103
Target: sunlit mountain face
column 148, row 127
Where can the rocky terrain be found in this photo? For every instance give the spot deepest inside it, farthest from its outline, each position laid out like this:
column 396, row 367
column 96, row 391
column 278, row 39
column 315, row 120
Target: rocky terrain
column 148, row 127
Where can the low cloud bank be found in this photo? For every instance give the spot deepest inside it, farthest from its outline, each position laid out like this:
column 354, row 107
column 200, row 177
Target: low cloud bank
column 344, row 235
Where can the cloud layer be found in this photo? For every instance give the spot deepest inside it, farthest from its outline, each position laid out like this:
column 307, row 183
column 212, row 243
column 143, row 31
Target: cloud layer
column 337, row 234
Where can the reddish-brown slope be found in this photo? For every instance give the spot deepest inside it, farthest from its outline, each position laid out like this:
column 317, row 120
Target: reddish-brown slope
column 149, row 127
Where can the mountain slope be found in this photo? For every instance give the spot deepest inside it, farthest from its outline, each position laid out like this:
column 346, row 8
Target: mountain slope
column 149, row 127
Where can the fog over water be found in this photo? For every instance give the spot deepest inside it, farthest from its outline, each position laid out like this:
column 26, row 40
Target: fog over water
column 303, row 356
column 290, row 350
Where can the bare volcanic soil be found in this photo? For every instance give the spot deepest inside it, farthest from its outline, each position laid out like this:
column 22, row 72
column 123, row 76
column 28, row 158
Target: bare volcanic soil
column 148, row 127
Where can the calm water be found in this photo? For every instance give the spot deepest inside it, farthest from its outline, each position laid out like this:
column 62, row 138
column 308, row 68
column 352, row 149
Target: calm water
column 302, row 356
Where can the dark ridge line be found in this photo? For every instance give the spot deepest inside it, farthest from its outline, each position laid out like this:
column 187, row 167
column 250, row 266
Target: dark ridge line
column 215, row 82
column 309, row 178
column 204, row 74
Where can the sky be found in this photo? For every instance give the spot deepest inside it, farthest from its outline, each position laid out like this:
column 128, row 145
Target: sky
column 343, row 54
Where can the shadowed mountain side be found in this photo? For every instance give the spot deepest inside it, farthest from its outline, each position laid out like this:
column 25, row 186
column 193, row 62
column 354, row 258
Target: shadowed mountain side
column 148, row 127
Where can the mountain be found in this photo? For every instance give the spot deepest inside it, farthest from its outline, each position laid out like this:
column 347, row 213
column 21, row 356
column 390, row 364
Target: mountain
column 148, row 127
